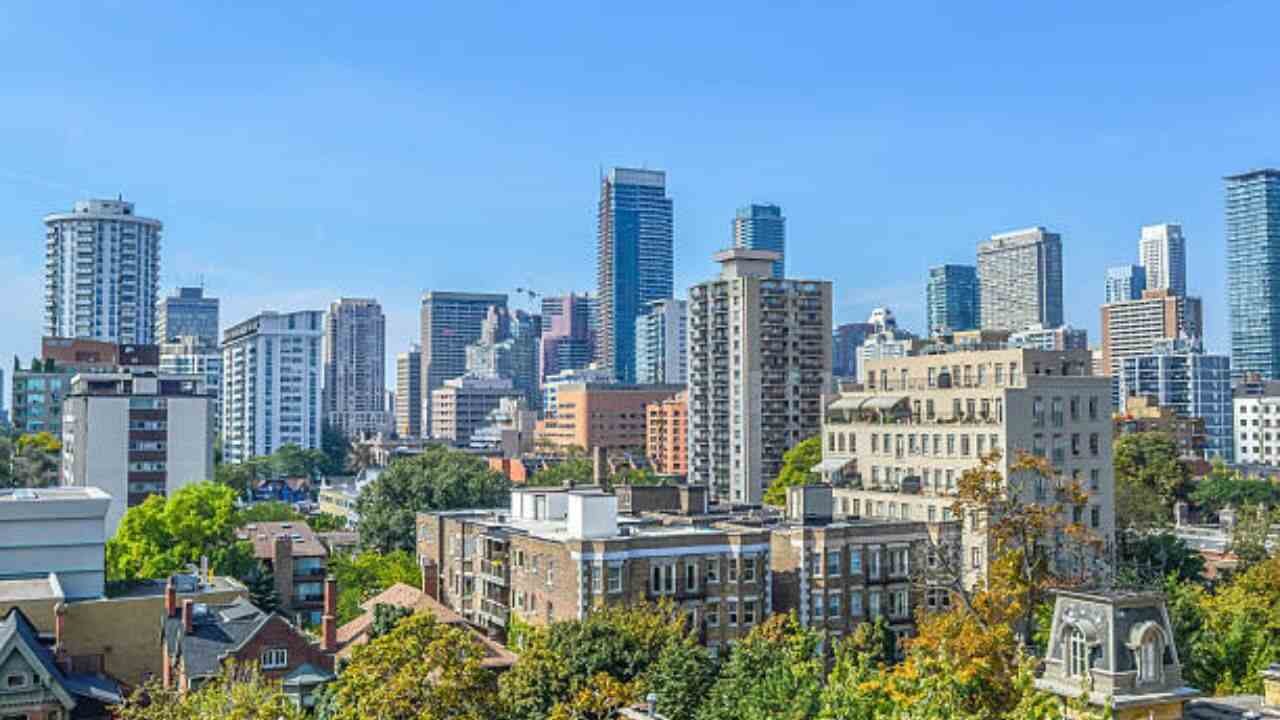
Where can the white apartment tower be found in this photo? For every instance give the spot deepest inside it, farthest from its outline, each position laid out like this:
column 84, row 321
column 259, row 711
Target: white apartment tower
column 662, row 343
column 759, row 364
column 102, row 273
column 355, row 359
column 1020, row 280
column 1163, row 253
column 271, row 376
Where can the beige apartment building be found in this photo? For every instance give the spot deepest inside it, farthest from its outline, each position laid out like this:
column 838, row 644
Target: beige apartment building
column 838, row 573
column 558, row 553
column 759, row 365
column 1133, row 327
column 606, row 415
column 897, row 450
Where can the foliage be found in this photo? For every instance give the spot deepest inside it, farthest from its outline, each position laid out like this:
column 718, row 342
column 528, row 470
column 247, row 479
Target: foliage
column 362, row 576
column 386, row 617
column 165, row 535
column 635, row 476
column 270, row 511
column 598, row 699
column 292, row 461
column 797, row 469
column 334, row 446
column 1223, row 487
column 1150, row 558
column 1238, row 633
column 241, row 476
column 240, row 693
column 262, row 588
column 575, row 466
column 421, row 670
column 438, row 479
column 45, row 442
column 681, row 677
column 1249, row 536
column 776, row 672
column 325, row 522
column 1150, row 477
column 31, row 461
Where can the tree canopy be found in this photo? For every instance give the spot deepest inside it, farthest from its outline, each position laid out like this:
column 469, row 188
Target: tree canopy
column 438, row 479
column 366, row 574
column 165, row 535
column 797, row 469
column 1150, row 478
column 1223, row 487
column 240, row 693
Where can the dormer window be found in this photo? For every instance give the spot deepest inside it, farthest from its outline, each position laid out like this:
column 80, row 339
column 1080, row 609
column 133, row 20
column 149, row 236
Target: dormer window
column 1149, row 655
column 1077, row 654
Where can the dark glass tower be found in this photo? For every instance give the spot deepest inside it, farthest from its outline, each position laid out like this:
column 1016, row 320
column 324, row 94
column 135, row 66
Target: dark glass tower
column 952, row 298
column 762, row 227
column 1253, row 272
column 634, row 264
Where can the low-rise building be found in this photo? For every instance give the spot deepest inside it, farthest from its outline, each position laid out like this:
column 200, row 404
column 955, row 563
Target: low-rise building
column 666, row 433
column 135, row 435
column 297, row 560
column 340, row 499
column 1039, row 337
column 40, row 682
column 1256, row 411
column 463, row 404
column 557, row 553
column 55, row 532
column 198, row 640
column 39, row 388
column 1143, row 414
column 839, row 573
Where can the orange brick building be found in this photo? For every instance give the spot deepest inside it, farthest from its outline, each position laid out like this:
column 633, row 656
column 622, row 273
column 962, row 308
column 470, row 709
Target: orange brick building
column 592, row 415
column 666, row 435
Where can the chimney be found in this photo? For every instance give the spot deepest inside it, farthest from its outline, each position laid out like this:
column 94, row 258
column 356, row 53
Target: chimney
column 170, row 598
column 204, row 568
column 430, row 578
column 60, row 655
column 597, row 465
column 282, row 568
column 329, row 621
column 188, row 612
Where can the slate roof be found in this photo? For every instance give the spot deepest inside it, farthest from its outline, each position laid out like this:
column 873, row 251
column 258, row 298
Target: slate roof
column 216, row 631
column 93, row 687
column 1235, row 707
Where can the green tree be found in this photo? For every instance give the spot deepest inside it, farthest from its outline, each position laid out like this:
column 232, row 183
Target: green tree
column 292, row 461
column 362, row 576
column 1250, row 534
column 775, row 673
column 271, row 511
column 165, row 535
column 1152, row 557
column 32, row 461
column 681, row 677
column 6, row 463
column 45, row 442
column 438, row 479
column 1223, row 487
column 1239, row 632
column 359, row 458
column 386, row 617
column 575, row 466
column 1150, row 477
column 421, row 670
column 335, row 447
column 240, row 693
column 262, row 588
column 324, row 522
column 797, row 469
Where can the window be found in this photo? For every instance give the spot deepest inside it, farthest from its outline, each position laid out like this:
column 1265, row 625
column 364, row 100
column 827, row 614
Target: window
column 1093, row 444
column 833, row 563
column 819, row 607
column 748, row 612
column 733, row 570
column 873, row 561
column 900, row 604
column 597, row 578
column 1078, row 654
column 873, row 604
column 1095, row 516
column 615, row 577
column 14, row 681
column 1094, row 476
column 275, row 658
column 833, row 605
column 713, row 614
column 1093, row 408
column 732, row 606
column 690, row 576
column 662, row 580
column 713, row 570
column 749, row 570
column 855, row 604
column 855, row 561
column 1150, row 658
column 975, row 558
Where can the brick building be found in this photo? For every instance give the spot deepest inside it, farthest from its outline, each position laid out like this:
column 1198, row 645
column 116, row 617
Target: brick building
column 298, row 561
column 666, row 435
column 609, row 416
column 557, row 553
column 197, row 640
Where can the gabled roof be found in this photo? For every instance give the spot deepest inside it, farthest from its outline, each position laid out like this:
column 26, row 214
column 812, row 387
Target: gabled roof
column 216, row 632
column 17, row 634
column 306, row 674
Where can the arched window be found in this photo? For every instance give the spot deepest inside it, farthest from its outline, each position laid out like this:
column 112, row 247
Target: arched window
column 1077, row 653
column 1150, row 658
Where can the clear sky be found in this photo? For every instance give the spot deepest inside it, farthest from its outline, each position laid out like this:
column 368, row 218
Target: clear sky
column 382, row 149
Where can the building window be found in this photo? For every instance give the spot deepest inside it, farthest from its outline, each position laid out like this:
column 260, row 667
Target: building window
column 1078, row 654
column 873, row 561
column 663, row 578
column 690, row 576
column 855, row 604
column 713, row 570
column 732, row 607
column 748, row 612
column 713, row 614
column 901, row 604
column 615, row 578
column 833, row 563
column 275, row 658
column 975, row 558
column 833, row 605
column 855, row 561
column 873, row 604
column 13, row 681
column 749, row 569
column 1150, row 655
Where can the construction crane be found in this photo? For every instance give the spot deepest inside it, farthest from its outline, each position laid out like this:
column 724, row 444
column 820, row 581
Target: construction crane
column 533, row 296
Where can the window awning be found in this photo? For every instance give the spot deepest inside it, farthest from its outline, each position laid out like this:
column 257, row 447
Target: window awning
column 832, row 464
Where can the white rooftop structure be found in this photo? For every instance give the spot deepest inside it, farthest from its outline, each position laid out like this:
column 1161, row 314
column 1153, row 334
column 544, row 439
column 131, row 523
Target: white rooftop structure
column 53, row 540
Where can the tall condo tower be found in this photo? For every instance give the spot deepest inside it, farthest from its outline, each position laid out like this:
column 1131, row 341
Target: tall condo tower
column 355, row 360
column 634, row 262
column 450, row 322
column 102, row 273
column 1020, row 280
column 1163, row 253
column 762, row 227
column 952, row 298
column 1253, row 272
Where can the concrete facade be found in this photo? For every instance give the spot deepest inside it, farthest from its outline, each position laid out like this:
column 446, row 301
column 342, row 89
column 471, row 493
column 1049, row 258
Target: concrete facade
column 609, row 416
column 355, row 360
column 449, row 322
column 58, row 532
column 409, row 393
column 759, row 364
column 463, row 405
column 1134, row 327
column 662, row 347
column 1162, row 250
column 1020, row 279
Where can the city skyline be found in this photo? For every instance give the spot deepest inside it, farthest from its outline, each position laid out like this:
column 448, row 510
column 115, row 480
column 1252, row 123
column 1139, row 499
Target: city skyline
column 242, row 243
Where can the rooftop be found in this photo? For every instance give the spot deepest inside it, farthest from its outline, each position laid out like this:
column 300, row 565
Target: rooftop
column 263, row 536
column 52, row 494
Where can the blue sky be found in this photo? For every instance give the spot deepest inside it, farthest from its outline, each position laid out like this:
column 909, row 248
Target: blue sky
column 316, row 150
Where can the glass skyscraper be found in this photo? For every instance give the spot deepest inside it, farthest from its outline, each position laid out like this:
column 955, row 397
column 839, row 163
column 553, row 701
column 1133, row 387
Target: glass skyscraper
column 762, row 227
column 1253, row 271
column 634, row 261
column 1125, row 283
column 952, row 298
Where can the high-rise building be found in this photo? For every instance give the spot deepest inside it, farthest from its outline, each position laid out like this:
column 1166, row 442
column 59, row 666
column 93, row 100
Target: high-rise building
column 845, row 343
column 1042, row 338
column 666, row 435
column 188, row 355
column 1020, row 279
column 409, row 392
column 1178, row 374
column 887, row 341
column 1253, row 272
column 450, row 321
column 508, row 348
column 271, row 384
column 1134, row 327
column 188, row 313
column 102, row 273
column 39, row 388
column 952, row 298
column 355, row 361
column 462, row 405
column 592, row 374
column 759, row 364
column 762, row 227
column 1163, row 253
column 136, row 434
column 568, row 342
column 634, row 261
column 1125, row 283
column 662, row 343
